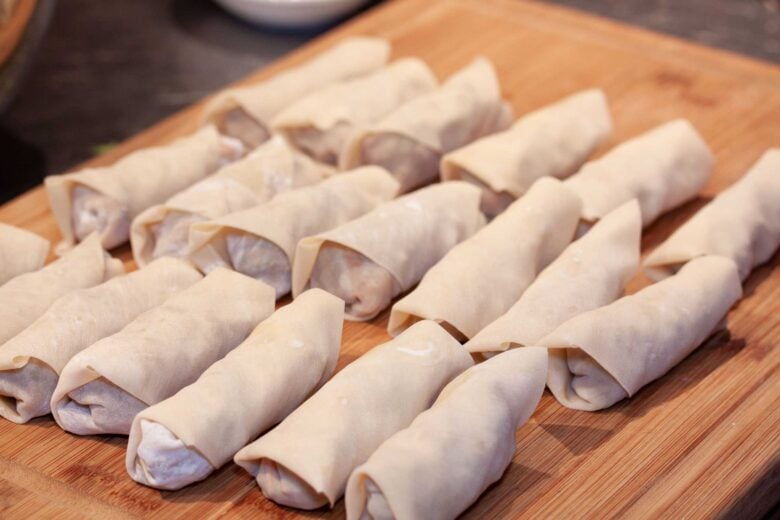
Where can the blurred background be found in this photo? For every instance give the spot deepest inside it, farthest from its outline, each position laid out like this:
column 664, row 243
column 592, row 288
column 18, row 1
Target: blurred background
column 78, row 76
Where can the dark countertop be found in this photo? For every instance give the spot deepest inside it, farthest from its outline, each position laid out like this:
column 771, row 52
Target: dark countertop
column 101, row 75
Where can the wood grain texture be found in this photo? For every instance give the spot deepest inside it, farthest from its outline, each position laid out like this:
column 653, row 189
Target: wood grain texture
column 700, row 442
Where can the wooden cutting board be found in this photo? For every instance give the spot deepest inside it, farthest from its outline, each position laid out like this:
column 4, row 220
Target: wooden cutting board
column 702, row 441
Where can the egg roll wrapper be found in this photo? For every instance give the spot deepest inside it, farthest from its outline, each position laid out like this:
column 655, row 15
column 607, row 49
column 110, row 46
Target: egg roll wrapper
column 285, row 359
column 602, row 356
column 467, row 106
column 273, row 168
column 741, row 223
column 590, row 273
column 468, row 435
column 662, row 168
column 74, row 322
column 406, row 236
column 26, row 297
column 482, row 277
column 553, row 141
column 291, row 216
column 337, row 429
column 348, row 59
column 338, row 110
column 169, row 346
column 139, row 180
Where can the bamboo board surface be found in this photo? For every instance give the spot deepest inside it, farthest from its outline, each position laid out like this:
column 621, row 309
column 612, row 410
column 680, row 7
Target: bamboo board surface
column 702, row 441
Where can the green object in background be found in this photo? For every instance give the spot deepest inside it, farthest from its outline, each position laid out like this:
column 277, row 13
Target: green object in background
column 100, row 149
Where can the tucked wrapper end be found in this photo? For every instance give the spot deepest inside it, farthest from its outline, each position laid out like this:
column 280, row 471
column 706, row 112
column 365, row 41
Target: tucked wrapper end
column 741, row 223
column 452, row 452
column 306, row 460
column 602, row 356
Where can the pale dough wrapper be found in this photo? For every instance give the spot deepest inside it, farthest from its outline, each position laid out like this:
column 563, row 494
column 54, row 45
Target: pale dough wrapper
column 273, row 168
column 260, row 242
column 553, row 141
column 741, row 223
column 590, row 273
column 410, row 141
column 372, row 259
column 605, row 355
column 246, row 112
column 30, row 362
column 285, row 359
column 26, row 297
column 321, row 123
column 107, row 199
column 306, row 460
column 163, row 350
column 451, row 453
column 21, row 251
column 662, row 168
column 480, row 278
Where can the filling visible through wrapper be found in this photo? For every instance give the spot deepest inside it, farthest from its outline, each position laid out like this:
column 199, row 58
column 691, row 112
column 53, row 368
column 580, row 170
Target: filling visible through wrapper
column 22, row 387
column 253, row 256
column 366, row 287
column 239, row 124
column 170, row 235
column 412, row 163
column 492, row 202
column 324, row 145
column 95, row 211
column 98, row 407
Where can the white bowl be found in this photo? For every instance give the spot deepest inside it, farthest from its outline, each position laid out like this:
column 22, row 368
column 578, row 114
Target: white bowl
column 290, row 13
